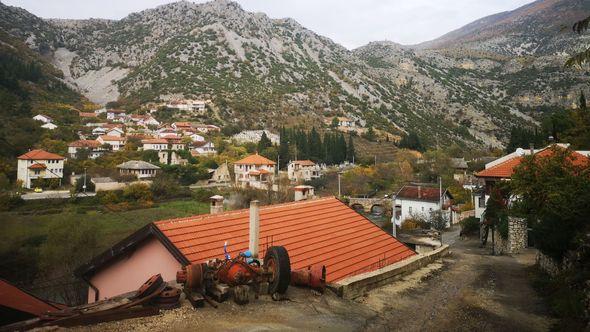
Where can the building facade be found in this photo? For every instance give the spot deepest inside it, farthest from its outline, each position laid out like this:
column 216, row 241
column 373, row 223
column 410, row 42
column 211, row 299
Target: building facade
column 303, row 170
column 39, row 164
column 254, row 171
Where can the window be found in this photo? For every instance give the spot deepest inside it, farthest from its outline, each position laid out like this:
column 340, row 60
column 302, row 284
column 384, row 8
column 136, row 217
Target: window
column 422, row 209
column 482, row 201
column 410, row 210
column 37, row 172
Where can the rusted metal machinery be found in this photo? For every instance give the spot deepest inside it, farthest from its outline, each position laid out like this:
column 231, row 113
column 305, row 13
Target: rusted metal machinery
column 217, row 278
column 313, row 276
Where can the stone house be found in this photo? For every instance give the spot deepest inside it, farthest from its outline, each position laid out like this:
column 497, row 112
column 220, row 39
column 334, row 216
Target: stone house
column 140, row 168
column 254, row 171
column 303, row 170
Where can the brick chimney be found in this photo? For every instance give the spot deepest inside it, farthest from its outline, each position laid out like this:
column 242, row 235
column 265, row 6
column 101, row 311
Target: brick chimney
column 216, row 204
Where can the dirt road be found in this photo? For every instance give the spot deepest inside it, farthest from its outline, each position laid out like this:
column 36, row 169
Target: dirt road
column 467, row 291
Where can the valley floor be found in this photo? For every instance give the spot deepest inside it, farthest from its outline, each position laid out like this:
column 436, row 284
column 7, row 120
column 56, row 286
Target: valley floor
column 467, row 291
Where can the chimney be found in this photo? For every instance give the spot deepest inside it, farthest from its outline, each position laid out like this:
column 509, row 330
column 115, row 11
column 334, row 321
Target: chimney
column 254, row 228
column 216, row 204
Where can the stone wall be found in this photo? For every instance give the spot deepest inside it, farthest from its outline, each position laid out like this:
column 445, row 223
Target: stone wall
column 517, row 237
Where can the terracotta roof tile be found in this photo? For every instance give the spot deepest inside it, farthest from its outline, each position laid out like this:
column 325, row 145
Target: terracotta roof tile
column 420, row 193
column 304, row 162
column 323, row 231
column 255, row 159
column 84, row 143
column 112, row 138
column 40, row 155
column 154, row 141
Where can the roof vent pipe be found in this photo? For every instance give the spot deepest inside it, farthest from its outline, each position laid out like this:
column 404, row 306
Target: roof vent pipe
column 254, row 228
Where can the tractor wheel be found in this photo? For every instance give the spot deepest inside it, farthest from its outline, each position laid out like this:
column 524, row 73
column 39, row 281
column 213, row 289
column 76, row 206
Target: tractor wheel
column 277, row 261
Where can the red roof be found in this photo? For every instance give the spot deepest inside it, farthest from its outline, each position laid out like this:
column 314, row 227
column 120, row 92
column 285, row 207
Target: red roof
column 154, row 141
column 304, row 162
column 323, row 231
column 112, row 138
column 85, row 143
column 420, row 193
column 255, row 159
column 506, row 169
column 15, row 298
column 38, row 166
column 182, row 124
column 88, row 115
column 40, row 155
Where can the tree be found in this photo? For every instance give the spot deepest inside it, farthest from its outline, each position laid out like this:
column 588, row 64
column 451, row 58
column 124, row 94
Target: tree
column 350, row 153
column 264, row 142
column 370, row 134
column 411, row 141
column 335, row 123
column 553, row 194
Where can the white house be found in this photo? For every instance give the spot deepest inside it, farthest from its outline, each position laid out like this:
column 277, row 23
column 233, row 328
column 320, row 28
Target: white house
column 254, row 171
column 116, row 115
column 39, row 164
column 115, row 142
column 49, row 126
column 115, row 131
column 195, row 106
column 197, row 138
column 142, row 169
column 99, row 131
column 93, row 147
column 206, row 128
column 416, row 201
column 303, row 170
column 43, row 118
column 157, row 144
column 202, row 148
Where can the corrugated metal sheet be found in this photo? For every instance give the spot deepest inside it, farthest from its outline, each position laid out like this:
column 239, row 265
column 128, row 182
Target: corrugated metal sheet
column 323, row 231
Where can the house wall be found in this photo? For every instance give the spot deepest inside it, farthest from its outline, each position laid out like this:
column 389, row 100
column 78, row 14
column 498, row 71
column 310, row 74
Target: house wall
column 54, row 170
column 417, row 208
column 130, row 272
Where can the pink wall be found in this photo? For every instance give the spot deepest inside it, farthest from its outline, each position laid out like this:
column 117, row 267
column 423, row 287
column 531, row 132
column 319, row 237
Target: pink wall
column 130, row 272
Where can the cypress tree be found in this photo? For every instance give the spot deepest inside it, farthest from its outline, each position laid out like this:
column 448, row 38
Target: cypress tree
column 350, row 154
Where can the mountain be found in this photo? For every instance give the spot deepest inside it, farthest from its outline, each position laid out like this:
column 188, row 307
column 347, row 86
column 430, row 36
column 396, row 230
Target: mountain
column 262, row 72
column 542, row 27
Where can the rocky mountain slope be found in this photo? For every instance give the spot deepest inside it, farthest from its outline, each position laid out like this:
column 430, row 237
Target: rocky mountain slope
column 259, row 70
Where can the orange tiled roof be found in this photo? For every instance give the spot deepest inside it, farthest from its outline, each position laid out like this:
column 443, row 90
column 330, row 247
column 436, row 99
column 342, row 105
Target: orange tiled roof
column 88, row 115
column 255, row 159
column 323, row 231
column 304, row 162
column 154, row 141
column 40, row 155
column 112, row 138
column 38, row 166
column 506, row 169
column 84, row 143
column 503, row 170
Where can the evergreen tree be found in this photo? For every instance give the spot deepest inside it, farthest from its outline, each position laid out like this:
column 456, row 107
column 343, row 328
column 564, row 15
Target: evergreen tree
column 264, row 142
column 315, row 145
column 411, row 141
column 284, row 147
column 350, row 154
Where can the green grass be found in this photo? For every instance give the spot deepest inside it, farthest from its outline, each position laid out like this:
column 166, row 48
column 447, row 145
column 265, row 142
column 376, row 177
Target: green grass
column 113, row 226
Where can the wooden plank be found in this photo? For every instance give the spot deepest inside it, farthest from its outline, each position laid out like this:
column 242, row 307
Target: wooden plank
column 107, row 316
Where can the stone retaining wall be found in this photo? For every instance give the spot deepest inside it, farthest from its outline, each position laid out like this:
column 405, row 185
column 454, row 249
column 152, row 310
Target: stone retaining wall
column 356, row 286
column 517, row 237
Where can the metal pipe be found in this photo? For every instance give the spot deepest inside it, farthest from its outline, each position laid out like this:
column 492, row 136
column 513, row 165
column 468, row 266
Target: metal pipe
column 254, row 228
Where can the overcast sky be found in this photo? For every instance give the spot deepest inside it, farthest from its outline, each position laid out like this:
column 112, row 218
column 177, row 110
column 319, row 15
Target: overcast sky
column 351, row 23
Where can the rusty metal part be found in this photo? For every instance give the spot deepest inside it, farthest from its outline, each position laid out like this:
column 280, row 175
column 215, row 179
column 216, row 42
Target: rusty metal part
column 192, row 276
column 312, row 276
column 242, row 294
column 153, row 283
column 237, row 272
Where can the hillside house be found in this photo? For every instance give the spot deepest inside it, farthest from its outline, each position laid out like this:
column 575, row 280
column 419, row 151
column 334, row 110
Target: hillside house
column 116, row 115
column 39, row 164
column 182, row 126
column 189, row 105
column 206, row 128
column 503, row 168
column 142, row 169
column 156, row 144
column 196, row 137
column 303, row 170
column 88, row 115
column 93, row 147
column 116, row 142
column 418, row 201
column 43, row 118
column 202, row 148
column 460, row 168
column 49, row 125
column 254, row 171
column 171, row 157
column 320, row 231
column 115, row 131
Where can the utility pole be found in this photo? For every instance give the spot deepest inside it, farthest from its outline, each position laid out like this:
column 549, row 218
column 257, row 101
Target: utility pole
column 84, row 187
column 339, row 191
column 375, row 160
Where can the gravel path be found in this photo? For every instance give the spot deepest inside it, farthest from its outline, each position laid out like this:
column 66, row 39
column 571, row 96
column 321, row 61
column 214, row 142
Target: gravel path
column 467, row 291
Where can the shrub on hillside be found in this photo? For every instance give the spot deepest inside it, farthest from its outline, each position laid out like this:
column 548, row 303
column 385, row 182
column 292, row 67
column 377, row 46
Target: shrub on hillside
column 9, row 201
column 137, row 192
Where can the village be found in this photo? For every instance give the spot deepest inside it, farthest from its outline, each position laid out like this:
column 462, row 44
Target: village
column 402, row 217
